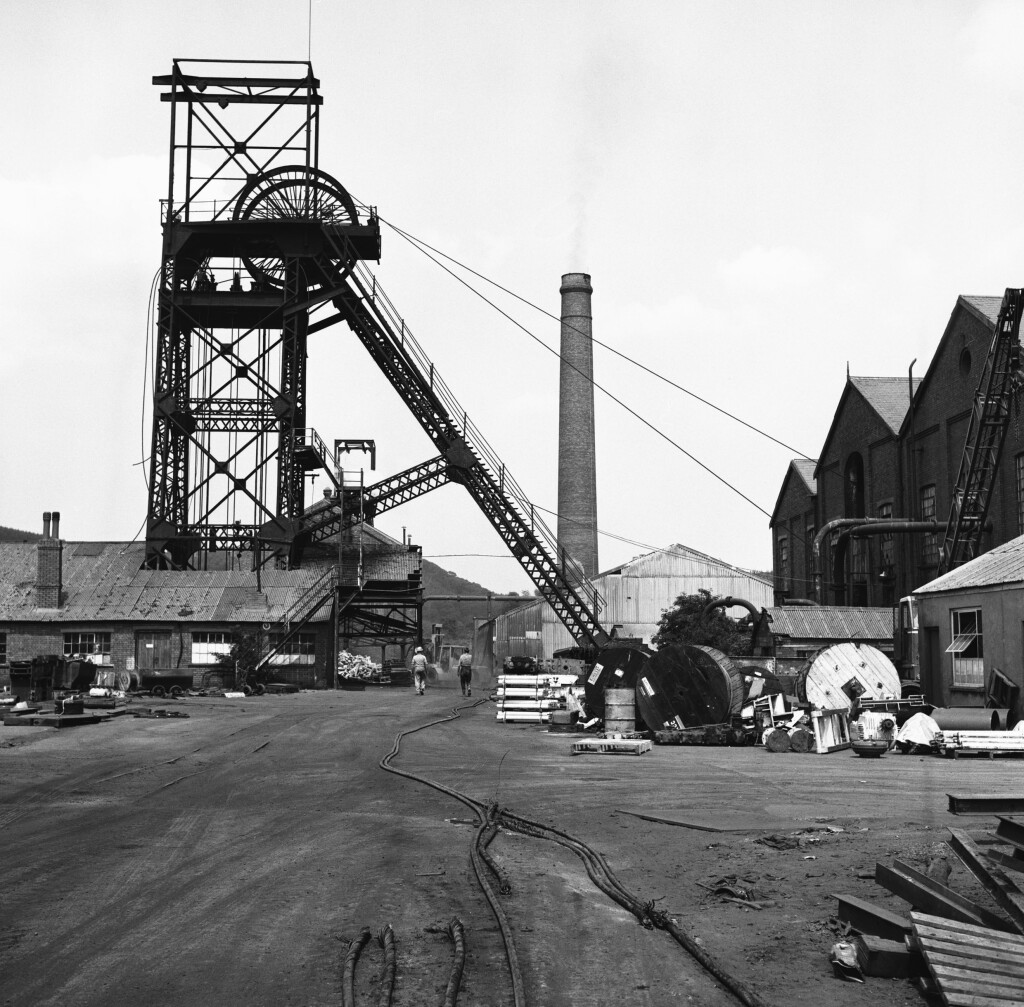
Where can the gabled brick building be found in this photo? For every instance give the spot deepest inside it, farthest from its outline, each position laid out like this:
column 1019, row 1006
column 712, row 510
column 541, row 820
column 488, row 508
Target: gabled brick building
column 892, row 455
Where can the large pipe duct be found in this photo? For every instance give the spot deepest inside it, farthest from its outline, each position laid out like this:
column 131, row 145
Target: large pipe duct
column 577, row 469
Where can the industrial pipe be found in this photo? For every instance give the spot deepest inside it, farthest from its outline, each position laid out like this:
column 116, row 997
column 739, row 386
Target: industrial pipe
column 728, row 603
column 971, row 718
column 877, row 526
column 827, row 529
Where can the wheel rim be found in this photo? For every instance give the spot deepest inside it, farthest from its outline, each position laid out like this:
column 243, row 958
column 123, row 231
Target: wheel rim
column 296, row 193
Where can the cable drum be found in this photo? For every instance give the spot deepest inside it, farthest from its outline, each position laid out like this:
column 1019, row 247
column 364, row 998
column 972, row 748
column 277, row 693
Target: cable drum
column 837, row 676
column 687, row 685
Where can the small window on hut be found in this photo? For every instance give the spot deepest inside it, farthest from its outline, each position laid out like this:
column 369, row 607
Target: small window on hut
column 967, row 649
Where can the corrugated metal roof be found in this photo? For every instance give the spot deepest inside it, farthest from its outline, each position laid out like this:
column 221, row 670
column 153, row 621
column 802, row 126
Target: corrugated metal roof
column 106, row 584
column 1002, row 565
column 889, row 397
column 813, row 622
column 987, row 306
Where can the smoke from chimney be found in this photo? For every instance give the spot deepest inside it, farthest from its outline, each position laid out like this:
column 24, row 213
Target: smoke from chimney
column 577, row 469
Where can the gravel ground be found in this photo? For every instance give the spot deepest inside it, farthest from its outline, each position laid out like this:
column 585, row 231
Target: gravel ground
column 229, row 857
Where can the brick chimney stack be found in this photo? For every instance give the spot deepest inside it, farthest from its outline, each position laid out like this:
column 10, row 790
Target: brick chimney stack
column 577, row 469
column 49, row 573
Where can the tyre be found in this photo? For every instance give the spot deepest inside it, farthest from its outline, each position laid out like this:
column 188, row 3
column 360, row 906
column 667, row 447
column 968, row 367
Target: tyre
column 159, row 691
column 177, row 692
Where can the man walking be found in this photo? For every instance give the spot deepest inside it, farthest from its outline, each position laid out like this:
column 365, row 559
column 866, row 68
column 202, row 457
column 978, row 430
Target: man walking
column 466, row 672
column 419, row 671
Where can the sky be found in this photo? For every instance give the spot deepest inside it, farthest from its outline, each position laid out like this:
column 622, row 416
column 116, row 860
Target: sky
column 763, row 194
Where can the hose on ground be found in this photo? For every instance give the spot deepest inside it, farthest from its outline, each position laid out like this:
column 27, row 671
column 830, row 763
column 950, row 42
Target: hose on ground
column 386, row 939
column 479, row 866
column 458, row 935
column 348, row 996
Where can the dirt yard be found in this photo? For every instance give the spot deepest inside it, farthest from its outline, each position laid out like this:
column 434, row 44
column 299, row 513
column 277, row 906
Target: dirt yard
column 229, row 857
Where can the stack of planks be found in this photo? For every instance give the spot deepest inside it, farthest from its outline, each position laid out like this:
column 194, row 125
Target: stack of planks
column 967, row 954
column 991, row 743
column 530, row 699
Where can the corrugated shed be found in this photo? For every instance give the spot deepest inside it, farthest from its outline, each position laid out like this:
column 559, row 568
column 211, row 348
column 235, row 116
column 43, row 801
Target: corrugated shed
column 1002, row 565
column 811, row 622
column 103, row 582
column 638, row 593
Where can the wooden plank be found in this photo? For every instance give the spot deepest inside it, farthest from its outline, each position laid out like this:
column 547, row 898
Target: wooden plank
column 997, row 965
column 1003, row 996
column 986, row 804
column 930, row 896
column 966, row 1000
column 975, row 951
column 946, row 976
column 870, row 918
column 999, row 886
column 939, row 926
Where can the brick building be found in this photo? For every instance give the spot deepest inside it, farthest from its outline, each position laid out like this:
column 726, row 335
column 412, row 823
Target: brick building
column 93, row 600
column 887, row 456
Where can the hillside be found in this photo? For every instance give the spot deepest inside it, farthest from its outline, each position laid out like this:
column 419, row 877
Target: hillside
column 14, row 535
column 456, row 617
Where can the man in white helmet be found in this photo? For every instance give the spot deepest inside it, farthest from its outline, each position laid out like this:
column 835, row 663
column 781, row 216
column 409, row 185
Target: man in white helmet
column 419, row 671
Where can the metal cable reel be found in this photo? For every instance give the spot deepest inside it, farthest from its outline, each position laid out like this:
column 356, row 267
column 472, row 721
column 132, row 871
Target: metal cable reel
column 298, row 193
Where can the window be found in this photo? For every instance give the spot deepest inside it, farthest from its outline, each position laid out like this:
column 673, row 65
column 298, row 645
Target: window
column 1019, row 473
column 93, row 647
column 300, row 649
column 784, row 562
column 853, row 486
column 3, row 648
column 886, row 543
column 809, row 559
column 967, row 649
column 930, row 545
column 207, row 646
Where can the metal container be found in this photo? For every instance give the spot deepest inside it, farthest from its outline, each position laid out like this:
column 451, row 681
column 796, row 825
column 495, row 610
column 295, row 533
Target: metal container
column 616, row 667
column 971, row 718
column 619, row 711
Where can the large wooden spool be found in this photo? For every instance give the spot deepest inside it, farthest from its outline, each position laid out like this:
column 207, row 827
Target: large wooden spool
column 685, row 685
column 839, row 675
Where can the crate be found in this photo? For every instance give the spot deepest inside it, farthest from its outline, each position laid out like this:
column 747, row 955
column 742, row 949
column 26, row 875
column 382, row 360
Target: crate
column 609, row 746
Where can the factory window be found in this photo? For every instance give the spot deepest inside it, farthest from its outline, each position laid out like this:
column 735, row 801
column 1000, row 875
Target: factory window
column 207, row 646
column 784, row 562
column 886, row 541
column 853, row 486
column 299, row 649
column 94, row 647
column 930, row 545
column 967, row 649
column 3, row 648
column 1019, row 473
column 809, row 559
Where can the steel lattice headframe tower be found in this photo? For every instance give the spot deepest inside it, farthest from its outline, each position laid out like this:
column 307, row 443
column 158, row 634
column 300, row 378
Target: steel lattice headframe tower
column 255, row 238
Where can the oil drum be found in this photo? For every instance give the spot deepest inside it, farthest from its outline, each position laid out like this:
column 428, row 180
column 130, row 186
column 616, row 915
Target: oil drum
column 616, row 667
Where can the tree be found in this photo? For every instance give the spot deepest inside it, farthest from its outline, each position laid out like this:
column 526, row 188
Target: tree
column 243, row 657
column 686, row 622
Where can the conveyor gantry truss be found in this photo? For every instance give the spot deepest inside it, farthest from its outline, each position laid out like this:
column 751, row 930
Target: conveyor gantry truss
column 262, row 249
column 997, row 395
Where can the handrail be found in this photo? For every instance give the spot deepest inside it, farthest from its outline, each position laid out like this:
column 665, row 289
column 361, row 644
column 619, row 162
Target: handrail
column 376, row 299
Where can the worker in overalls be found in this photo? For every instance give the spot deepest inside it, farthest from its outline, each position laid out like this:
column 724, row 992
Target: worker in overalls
column 466, row 672
column 419, row 671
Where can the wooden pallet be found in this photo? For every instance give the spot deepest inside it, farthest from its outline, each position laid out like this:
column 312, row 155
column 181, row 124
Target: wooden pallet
column 609, row 746
column 989, row 753
column 971, row 965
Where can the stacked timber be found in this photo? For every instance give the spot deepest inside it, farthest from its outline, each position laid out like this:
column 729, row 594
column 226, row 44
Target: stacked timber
column 530, row 699
column 961, row 951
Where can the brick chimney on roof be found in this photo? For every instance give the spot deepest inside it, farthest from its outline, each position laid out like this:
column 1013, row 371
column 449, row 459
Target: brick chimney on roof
column 49, row 563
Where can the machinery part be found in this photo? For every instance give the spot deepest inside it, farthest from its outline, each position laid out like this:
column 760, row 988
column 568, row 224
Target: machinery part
column 348, row 996
column 458, row 935
column 159, row 691
column 177, row 692
column 259, row 689
column 296, row 192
